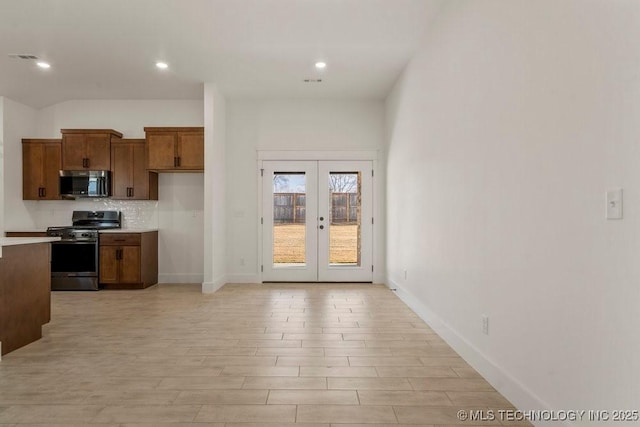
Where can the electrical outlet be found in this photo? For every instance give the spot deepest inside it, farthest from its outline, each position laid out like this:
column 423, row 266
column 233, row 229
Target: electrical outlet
column 242, row 261
column 405, row 275
column 614, row 203
column 485, row 324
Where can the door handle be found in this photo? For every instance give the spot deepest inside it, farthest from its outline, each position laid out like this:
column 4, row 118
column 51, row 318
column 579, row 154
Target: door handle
column 44, row 191
column 321, row 218
column 322, row 227
column 179, row 161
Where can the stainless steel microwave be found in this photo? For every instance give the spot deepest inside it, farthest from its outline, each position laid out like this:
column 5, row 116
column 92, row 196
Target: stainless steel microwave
column 85, row 184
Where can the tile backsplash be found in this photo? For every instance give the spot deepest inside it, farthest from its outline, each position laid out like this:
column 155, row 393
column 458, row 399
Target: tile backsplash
column 135, row 214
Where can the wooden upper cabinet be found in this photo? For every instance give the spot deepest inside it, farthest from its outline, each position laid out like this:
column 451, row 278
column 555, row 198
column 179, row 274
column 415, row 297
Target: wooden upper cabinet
column 41, row 163
column 161, row 150
column 87, row 149
column 131, row 180
column 174, row 149
column 191, row 151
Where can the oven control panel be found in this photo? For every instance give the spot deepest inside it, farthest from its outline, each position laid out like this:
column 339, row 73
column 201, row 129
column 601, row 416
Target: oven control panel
column 70, row 234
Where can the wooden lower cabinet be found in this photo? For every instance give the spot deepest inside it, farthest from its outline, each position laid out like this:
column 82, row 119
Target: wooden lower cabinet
column 128, row 260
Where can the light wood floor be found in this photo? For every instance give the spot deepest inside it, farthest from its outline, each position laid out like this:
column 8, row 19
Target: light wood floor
column 249, row 355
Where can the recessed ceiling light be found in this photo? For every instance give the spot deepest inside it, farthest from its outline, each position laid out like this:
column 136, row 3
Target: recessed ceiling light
column 43, row 64
column 162, row 65
column 321, row 65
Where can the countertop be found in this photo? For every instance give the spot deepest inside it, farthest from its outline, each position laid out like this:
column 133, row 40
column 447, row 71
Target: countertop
column 12, row 241
column 128, row 230
column 110, row 230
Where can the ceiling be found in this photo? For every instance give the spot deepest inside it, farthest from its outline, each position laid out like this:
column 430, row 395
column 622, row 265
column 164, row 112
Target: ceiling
column 107, row 49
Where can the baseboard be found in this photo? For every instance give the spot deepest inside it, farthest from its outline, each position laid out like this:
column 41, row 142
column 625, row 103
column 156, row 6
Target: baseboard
column 180, row 278
column 243, row 278
column 521, row 397
column 211, row 287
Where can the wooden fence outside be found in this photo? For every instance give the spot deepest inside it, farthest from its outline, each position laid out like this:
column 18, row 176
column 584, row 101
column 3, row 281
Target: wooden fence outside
column 290, row 208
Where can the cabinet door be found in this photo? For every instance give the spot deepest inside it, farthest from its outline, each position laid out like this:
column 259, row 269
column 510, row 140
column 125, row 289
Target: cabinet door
column 32, row 168
column 73, row 152
column 130, row 264
column 191, row 151
column 161, row 151
column 108, row 264
column 122, row 174
column 51, row 171
column 98, row 152
column 140, row 175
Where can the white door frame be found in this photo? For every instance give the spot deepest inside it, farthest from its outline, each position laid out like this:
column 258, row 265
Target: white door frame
column 319, row 155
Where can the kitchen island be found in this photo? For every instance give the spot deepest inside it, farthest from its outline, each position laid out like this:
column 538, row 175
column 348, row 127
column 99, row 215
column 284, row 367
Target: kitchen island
column 25, row 290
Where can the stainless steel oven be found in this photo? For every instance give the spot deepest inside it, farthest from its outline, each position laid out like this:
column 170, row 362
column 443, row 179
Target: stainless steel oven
column 74, row 264
column 75, row 257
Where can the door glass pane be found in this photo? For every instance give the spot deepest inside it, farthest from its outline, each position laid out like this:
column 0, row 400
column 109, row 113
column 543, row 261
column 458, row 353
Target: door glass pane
column 345, row 220
column 289, row 219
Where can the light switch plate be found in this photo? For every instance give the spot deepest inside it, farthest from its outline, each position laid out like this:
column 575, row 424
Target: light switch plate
column 614, row 203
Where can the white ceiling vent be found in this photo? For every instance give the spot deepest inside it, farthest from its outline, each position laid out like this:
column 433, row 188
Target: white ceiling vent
column 23, row 56
column 313, row 80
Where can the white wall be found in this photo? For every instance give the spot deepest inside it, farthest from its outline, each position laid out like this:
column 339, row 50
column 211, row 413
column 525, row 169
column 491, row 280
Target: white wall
column 504, row 133
column 215, row 225
column 20, row 122
column 127, row 116
column 181, row 225
column 283, row 125
column 179, row 212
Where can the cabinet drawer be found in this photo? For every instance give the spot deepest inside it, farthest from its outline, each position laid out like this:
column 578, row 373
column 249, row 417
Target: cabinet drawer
column 120, row 239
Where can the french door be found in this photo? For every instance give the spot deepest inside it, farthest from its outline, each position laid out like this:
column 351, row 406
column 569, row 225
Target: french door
column 317, row 222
